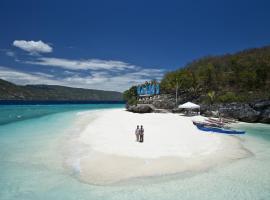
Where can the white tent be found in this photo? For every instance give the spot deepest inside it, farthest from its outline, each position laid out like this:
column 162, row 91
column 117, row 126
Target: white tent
column 189, row 105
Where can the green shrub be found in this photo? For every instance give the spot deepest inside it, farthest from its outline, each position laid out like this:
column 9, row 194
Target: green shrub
column 132, row 101
column 230, row 97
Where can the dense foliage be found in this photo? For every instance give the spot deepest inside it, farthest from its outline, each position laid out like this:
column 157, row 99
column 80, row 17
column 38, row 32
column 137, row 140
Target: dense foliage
column 244, row 76
column 130, row 96
column 239, row 77
column 10, row 91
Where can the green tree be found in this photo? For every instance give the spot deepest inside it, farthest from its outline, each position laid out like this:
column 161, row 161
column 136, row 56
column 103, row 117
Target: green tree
column 130, row 95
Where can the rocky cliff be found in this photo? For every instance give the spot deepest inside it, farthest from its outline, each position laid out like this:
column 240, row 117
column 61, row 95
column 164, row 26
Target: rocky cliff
column 246, row 112
column 258, row 111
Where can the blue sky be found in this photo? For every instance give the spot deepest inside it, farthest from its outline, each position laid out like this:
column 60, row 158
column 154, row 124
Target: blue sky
column 113, row 44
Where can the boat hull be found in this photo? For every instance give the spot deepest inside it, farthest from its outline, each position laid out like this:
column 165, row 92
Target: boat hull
column 219, row 130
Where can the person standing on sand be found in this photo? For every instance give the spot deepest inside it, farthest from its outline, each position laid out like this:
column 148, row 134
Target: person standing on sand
column 137, row 133
column 141, row 134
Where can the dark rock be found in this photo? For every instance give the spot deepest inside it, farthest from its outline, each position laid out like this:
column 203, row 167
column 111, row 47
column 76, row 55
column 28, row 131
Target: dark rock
column 177, row 110
column 140, row 109
column 207, row 113
column 248, row 115
column 261, row 105
column 209, row 110
column 248, row 112
column 163, row 101
column 204, row 108
column 161, row 104
column 242, row 112
column 265, row 116
column 256, row 112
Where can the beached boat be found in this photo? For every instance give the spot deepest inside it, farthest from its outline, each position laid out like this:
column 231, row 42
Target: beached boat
column 217, row 129
column 207, row 124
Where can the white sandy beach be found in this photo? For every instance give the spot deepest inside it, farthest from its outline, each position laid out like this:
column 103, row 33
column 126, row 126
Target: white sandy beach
column 108, row 153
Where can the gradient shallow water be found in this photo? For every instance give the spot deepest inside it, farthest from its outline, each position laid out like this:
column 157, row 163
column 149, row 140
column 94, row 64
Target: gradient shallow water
column 31, row 165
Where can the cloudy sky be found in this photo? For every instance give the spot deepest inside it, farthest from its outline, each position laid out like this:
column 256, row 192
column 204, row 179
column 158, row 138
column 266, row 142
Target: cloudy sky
column 112, row 45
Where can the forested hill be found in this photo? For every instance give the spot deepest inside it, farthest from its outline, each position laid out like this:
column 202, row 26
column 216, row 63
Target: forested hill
column 10, row 91
column 239, row 77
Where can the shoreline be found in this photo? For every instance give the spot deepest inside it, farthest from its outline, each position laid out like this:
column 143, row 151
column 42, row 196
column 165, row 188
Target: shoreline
column 107, row 154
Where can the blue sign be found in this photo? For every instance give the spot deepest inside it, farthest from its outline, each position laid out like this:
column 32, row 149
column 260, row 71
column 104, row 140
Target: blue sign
column 148, row 89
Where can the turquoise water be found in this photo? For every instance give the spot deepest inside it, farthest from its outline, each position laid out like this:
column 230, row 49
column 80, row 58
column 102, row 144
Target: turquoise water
column 13, row 113
column 31, row 163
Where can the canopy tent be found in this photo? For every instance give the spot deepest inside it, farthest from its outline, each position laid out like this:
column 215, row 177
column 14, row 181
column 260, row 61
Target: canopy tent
column 189, row 105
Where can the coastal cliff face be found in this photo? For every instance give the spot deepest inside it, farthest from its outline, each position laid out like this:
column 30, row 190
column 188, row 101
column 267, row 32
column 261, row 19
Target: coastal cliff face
column 247, row 112
column 162, row 101
column 152, row 104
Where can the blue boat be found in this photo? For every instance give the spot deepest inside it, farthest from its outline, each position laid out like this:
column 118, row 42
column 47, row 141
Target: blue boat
column 218, row 130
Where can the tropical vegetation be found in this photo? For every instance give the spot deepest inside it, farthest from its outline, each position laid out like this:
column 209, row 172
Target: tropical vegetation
column 240, row 77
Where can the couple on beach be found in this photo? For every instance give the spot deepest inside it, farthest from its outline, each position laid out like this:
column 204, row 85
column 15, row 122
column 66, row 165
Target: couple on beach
column 139, row 132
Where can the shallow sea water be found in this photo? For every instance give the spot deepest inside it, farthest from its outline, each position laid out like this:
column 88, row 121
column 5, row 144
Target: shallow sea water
column 31, row 164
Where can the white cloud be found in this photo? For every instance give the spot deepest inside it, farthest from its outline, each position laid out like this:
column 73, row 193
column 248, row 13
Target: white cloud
column 43, row 74
column 121, row 82
column 93, row 64
column 101, row 80
column 157, row 73
column 90, row 73
column 10, row 53
column 23, row 78
column 33, row 47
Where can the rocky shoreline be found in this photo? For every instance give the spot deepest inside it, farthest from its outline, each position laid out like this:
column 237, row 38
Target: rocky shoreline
column 254, row 112
column 258, row 112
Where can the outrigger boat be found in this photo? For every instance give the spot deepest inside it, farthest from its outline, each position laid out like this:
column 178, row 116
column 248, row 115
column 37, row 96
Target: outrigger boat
column 222, row 120
column 213, row 128
column 207, row 124
column 215, row 121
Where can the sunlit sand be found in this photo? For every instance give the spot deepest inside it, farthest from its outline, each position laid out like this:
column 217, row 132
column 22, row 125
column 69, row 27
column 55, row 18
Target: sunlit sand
column 109, row 152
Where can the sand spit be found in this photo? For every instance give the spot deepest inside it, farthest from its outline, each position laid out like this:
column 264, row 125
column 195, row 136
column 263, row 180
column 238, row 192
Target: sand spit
column 108, row 153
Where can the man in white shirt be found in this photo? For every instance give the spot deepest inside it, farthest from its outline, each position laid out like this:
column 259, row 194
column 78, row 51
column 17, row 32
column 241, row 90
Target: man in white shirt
column 137, row 133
